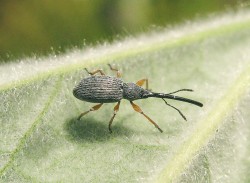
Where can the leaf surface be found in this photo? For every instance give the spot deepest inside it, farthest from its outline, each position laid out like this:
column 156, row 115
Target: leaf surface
column 41, row 140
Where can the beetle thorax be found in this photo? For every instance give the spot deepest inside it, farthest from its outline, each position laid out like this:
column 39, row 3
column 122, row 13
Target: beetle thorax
column 131, row 92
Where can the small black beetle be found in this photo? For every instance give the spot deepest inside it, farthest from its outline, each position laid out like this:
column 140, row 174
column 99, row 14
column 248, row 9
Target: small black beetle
column 107, row 89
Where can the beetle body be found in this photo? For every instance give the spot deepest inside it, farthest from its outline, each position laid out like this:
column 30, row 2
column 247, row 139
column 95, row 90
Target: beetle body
column 107, row 89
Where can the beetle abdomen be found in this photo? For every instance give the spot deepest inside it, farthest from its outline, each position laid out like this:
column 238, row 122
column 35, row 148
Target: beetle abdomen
column 99, row 89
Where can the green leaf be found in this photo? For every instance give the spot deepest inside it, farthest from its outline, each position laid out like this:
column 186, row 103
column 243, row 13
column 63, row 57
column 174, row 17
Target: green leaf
column 41, row 140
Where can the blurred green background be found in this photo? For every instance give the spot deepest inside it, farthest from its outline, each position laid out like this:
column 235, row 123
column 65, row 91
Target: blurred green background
column 42, row 27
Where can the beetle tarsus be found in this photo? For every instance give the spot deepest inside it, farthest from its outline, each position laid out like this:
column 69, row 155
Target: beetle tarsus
column 118, row 74
column 110, row 131
column 116, row 109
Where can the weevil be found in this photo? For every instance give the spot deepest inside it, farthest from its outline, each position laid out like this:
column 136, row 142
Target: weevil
column 108, row 89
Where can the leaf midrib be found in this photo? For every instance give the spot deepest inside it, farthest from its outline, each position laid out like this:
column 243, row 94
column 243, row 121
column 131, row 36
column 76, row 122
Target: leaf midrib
column 206, row 128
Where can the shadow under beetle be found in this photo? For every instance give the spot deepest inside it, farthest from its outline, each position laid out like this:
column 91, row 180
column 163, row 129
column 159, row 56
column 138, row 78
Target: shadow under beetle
column 107, row 89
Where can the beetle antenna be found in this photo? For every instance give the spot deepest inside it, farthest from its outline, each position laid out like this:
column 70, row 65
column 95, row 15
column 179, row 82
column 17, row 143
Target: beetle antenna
column 190, row 90
column 182, row 115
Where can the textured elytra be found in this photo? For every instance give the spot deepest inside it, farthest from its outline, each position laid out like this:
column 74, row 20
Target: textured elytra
column 99, row 89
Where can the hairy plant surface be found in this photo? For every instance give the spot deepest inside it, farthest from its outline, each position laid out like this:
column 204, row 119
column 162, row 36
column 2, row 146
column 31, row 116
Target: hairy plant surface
column 41, row 140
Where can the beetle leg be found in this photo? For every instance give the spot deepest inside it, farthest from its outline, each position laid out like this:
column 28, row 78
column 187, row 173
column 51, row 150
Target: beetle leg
column 138, row 109
column 96, row 71
column 94, row 108
column 118, row 74
column 116, row 109
column 142, row 81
